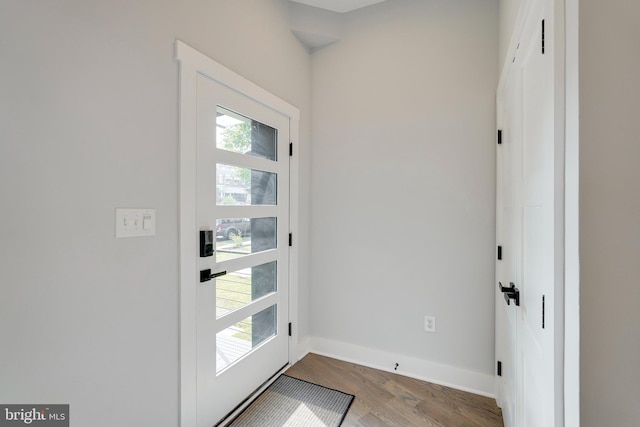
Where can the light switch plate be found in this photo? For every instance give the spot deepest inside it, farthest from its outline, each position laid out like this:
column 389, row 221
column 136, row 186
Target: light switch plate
column 135, row 222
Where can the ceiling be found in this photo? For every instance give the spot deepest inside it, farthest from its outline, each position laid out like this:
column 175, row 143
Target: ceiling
column 340, row 6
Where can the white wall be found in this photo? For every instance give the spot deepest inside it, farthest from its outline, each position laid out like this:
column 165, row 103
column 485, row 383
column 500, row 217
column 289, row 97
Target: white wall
column 403, row 183
column 88, row 123
column 610, row 212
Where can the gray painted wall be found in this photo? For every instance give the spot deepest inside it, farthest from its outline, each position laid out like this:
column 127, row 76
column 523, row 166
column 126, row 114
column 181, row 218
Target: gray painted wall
column 609, row 212
column 88, row 123
column 403, row 181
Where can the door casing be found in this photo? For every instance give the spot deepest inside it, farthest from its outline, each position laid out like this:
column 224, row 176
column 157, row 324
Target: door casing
column 192, row 63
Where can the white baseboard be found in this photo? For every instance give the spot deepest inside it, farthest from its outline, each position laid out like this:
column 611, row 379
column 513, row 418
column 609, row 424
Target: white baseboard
column 446, row 375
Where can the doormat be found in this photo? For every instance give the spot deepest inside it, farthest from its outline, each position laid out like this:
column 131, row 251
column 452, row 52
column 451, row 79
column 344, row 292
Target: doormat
column 293, row 403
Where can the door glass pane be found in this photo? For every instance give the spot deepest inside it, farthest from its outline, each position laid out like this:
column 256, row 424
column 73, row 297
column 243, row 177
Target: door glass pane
column 237, row 289
column 237, row 237
column 245, row 187
column 240, row 134
column 240, row 339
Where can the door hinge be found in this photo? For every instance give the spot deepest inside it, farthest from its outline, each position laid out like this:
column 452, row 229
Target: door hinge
column 499, row 253
column 499, row 136
column 290, row 149
column 290, row 329
column 290, row 239
column 543, row 36
column 499, row 368
column 542, row 311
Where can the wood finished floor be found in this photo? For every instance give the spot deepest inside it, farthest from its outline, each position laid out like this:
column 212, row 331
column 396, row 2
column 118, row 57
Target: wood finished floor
column 383, row 399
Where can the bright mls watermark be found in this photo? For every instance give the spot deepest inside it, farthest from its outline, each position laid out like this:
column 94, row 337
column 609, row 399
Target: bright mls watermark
column 34, row 415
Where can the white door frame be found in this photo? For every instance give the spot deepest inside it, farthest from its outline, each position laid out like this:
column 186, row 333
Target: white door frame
column 193, row 63
column 566, row 289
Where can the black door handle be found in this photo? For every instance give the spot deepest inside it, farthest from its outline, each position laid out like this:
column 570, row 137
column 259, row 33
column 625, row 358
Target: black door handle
column 205, row 275
column 510, row 293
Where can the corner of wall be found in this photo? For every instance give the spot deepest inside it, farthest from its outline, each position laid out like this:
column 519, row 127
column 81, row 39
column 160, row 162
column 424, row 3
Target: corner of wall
column 315, row 28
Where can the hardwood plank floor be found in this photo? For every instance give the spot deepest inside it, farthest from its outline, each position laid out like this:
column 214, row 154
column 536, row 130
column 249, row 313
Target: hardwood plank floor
column 384, row 399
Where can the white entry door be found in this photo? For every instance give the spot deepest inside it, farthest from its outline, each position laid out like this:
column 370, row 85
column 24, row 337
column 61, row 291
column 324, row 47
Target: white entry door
column 243, row 213
column 527, row 212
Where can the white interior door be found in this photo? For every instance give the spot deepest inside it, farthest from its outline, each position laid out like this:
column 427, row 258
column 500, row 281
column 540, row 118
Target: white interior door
column 507, row 266
column 535, row 353
column 243, row 202
column 526, row 220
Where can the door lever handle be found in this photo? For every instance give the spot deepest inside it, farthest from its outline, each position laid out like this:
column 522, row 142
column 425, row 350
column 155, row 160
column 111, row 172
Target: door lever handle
column 205, row 275
column 510, row 293
column 503, row 289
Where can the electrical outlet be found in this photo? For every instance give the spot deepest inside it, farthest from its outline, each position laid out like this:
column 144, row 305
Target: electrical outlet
column 429, row 323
